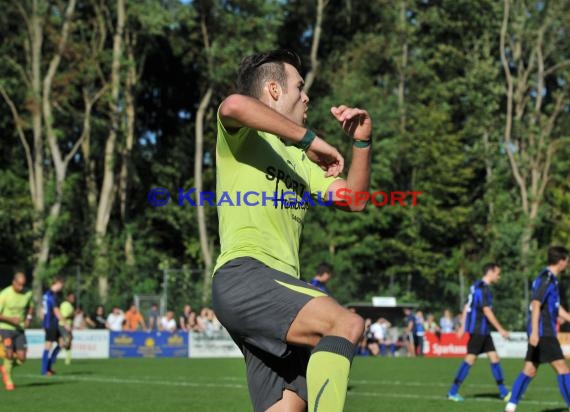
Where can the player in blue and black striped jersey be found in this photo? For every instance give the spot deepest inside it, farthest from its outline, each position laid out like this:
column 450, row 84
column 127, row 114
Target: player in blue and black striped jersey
column 52, row 316
column 477, row 319
column 543, row 346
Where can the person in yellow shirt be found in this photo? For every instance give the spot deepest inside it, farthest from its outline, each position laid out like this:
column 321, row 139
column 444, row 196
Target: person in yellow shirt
column 16, row 308
column 67, row 311
column 265, row 152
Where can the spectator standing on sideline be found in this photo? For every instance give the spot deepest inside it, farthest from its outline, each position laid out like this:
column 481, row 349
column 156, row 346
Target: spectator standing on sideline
column 446, row 322
column 134, row 320
column 167, row 322
column 420, row 333
column 79, row 320
column 153, row 318
column 116, row 320
column 185, row 318
column 98, row 320
column 431, row 325
column 410, row 332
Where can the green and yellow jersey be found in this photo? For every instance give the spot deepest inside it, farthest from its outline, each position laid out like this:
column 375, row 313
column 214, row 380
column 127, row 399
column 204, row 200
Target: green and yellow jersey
column 14, row 304
column 67, row 312
column 256, row 171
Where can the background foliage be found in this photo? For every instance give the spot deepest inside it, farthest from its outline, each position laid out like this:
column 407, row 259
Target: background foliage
column 429, row 72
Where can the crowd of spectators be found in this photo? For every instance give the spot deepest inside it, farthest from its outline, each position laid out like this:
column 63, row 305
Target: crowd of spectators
column 381, row 338
column 132, row 320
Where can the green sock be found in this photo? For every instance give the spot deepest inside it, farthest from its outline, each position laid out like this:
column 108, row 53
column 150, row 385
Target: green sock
column 327, row 374
column 68, row 356
column 8, row 368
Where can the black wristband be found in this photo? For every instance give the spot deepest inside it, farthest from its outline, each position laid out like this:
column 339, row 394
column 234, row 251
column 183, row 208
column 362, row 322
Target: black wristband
column 307, row 140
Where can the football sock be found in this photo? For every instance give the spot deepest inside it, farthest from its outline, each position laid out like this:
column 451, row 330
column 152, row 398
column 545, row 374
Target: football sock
column 498, row 375
column 327, row 374
column 564, row 386
column 8, row 370
column 462, row 373
column 519, row 388
column 45, row 361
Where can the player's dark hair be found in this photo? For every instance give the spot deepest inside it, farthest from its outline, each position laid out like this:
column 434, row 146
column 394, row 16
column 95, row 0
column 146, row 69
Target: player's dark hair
column 259, row 68
column 58, row 279
column 324, row 268
column 556, row 254
column 489, row 266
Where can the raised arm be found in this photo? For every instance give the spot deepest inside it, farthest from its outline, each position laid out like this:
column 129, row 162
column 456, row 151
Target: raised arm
column 238, row 111
column 352, row 194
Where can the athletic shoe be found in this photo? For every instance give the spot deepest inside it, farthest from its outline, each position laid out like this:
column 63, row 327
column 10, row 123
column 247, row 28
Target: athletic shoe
column 506, row 397
column 50, row 373
column 10, row 386
column 511, row 407
column 455, row 398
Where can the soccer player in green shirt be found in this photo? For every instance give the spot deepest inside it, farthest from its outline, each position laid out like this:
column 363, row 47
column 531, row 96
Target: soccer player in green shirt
column 265, row 154
column 16, row 308
column 67, row 311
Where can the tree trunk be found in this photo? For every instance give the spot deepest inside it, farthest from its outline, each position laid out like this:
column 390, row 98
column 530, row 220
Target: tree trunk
column 131, row 80
column 37, row 190
column 109, row 186
column 317, row 31
column 402, row 67
column 528, row 132
column 488, row 174
column 200, row 212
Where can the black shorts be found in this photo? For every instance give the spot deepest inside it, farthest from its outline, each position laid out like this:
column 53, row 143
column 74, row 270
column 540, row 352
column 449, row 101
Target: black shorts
column 257, row 305
column 14, row 339
column 548, row 350
column 65, row 335
column 480, row 344
column 53, row 334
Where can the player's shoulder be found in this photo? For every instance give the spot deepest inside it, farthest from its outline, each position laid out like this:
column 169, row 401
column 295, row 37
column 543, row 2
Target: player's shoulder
column 5, row 291
column 479, row 284
column 546, row 276
column 49, row 295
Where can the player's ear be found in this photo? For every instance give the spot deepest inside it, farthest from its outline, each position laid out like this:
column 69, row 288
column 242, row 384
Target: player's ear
column 274, row 89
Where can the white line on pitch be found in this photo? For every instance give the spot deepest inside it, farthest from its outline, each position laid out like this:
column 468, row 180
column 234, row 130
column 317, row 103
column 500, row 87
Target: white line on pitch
column 104, row 379
column 443, row 398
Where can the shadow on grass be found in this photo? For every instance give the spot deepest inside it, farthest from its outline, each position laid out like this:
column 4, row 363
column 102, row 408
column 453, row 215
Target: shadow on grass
column 492, row 395
column 38, row 384
column 555, row 410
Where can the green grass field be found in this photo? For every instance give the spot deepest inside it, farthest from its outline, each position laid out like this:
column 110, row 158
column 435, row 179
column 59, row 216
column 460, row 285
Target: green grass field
column 196, row 385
